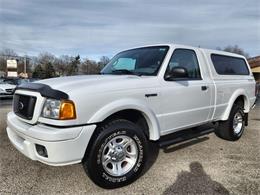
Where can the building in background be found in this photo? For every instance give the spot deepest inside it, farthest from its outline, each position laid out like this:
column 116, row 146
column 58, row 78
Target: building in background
column 255, row 67
column 11, row 68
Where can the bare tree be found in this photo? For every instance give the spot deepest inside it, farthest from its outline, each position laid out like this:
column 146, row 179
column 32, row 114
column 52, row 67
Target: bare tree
column 235, row 49
column 60, row 67
column 89, row 67
column 63, row 62
column 73, row 67
column 44, row 58
column 8, row 52
column 44, row 65
column 103, row 61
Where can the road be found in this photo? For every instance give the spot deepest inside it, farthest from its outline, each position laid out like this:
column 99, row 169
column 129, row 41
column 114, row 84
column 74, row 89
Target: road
column 207, row 165
column 5, row 102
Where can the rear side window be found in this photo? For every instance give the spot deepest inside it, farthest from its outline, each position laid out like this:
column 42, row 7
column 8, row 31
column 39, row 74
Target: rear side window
column 227, row 65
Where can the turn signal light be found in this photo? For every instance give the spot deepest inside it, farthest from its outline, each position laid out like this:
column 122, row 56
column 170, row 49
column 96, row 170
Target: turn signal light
column 67, row 110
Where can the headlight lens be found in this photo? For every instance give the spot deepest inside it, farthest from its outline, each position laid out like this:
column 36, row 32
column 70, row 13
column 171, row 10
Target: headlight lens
column 51, row 109
column 1, row 90
column 59, row 109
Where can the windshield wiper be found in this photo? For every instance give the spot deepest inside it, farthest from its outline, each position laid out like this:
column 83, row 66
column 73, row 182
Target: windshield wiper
column 125, row 71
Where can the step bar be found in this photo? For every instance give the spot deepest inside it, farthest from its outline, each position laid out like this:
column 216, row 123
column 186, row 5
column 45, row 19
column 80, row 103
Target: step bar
column 182, row 136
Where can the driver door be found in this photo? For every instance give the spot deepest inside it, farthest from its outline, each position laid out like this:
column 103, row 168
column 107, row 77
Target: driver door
column 185, row 102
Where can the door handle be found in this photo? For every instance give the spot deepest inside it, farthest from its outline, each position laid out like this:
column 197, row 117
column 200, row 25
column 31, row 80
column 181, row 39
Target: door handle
column 204, row 88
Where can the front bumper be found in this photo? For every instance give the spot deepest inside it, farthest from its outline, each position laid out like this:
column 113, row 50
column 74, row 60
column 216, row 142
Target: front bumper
column 63, row 145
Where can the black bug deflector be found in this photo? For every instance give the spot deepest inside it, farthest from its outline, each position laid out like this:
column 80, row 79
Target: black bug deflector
column 44, row 90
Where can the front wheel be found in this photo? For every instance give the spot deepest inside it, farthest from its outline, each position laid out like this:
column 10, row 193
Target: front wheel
column 118, row 154
column 233, row 128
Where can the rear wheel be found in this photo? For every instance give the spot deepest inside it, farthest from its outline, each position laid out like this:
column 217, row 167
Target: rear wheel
column 118, row 154
column 233, row 128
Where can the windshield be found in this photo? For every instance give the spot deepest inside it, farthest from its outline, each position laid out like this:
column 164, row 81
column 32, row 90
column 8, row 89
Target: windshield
column 141, row 61
column 10, row 81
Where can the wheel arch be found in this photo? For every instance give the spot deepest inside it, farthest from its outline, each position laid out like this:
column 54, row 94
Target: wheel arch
column 136, row 106
column 237, row 96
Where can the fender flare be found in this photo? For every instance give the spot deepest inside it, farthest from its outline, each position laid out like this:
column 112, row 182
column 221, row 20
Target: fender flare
column 125, row 104
column 235, row 95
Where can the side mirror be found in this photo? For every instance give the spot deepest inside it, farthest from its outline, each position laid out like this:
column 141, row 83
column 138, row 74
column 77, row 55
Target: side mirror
column 177, row 73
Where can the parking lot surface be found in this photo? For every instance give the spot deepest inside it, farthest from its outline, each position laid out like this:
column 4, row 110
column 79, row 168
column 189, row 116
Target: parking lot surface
column 207, row 165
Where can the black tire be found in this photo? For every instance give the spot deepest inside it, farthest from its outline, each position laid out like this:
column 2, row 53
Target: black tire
column 225, row 129
column 105, row 133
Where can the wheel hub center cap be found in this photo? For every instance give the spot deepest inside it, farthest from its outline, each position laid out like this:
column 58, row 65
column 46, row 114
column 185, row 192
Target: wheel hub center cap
column 118, row 154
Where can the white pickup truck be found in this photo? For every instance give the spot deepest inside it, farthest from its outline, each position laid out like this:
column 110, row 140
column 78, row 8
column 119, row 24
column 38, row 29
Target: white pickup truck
column 144, row 94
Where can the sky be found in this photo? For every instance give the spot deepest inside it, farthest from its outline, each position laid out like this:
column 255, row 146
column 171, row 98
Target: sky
column 104, row 27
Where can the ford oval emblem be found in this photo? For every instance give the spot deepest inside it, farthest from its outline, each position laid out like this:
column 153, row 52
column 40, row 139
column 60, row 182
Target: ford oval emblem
column 20, row 106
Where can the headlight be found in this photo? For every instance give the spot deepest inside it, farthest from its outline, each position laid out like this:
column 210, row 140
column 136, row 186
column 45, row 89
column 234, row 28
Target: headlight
column 59, row 109
column 1, row 90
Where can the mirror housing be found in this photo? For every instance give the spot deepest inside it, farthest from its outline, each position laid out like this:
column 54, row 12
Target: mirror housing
column 177, row 73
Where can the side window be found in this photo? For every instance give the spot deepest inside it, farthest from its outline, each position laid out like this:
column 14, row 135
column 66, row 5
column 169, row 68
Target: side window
column 227, row 65
column 185, row 58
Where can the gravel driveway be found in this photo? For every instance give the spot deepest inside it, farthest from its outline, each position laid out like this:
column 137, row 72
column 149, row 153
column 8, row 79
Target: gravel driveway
column 207, row 165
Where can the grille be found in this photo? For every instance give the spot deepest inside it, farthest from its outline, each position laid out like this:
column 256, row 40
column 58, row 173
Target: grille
column 24, row 106
column 9, row 90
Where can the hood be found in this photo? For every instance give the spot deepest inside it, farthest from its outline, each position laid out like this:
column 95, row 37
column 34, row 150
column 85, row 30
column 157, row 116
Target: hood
column 93, row 82
column 7, row 86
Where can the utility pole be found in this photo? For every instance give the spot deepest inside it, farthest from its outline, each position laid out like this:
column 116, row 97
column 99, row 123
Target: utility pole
column 24, row 69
